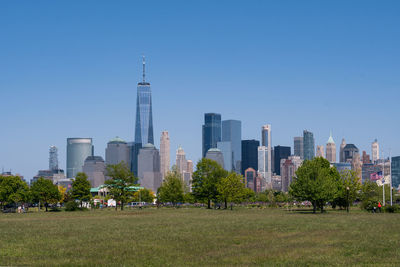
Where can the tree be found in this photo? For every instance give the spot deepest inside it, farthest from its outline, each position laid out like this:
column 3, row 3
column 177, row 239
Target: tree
column 144, row 195
column 205, row 179
column 81, row 188
column 43, row 190
column 119, row 184
column 63, row 192
column 13, row 190
column 172, row 189
column 349, row 187
column 316, row 182
column 369, row 195
column 231, row 189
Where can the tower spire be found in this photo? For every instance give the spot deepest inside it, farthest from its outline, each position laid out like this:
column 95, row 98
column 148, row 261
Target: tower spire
column 144, row 69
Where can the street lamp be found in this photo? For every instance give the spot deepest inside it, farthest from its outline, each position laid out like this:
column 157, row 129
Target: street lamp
column 348, row 204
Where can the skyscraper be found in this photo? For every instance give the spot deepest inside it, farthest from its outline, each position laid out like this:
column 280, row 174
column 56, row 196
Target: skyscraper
column 265, row 165
column 395, row 172
column 211, row 131
column 216, row 155
column 226, row 149
column 164, row 153
column 144, row 113
column 53, row 158
column 95, row 168
column 341, row 156
column 117, row 151
column 320, row 151
column 78, row 149
column 250, row 154
column 280, row 152
column 331, row 150
column 308, row 145
column 232, row 132
column 266, row 135
column 250, row 178
column 299, row 147
column 181, row 162
column 349, row 151
column 375, row 150
column 288, row 171
column 149, row 167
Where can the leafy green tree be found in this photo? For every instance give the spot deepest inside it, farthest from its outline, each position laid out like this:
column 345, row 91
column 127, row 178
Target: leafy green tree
column 369, row 195
column 231, row 189
column 144, row 195
column 349, row 187
column 13, row 190
column 81, row 188
column 172, row 189
column 43, row 190
column 205, row 180
column 121, row 179
column 316, row 182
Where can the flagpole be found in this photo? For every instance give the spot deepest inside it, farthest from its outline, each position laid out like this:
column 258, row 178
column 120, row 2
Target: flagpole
column 390, row 169
column 383, row 179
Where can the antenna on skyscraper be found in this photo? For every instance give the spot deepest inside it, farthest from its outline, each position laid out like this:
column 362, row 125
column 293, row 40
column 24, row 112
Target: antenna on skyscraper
column 144, row 69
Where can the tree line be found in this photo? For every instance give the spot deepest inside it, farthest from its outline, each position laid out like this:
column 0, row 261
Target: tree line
column 316, row 182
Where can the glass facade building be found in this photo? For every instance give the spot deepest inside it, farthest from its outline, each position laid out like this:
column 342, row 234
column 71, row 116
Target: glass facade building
column 280, row 152
column 78, row 149
column 395, row 172
column 308, row 145
column 144, row 115
column 211, row 131
column 250, row 154
column 232, row 132
column 298, row 147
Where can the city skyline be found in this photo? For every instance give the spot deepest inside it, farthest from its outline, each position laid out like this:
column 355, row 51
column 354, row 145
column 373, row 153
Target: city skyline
column 88, row 89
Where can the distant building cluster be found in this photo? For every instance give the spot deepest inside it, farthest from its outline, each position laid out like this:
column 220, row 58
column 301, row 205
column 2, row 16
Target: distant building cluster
column 262, row 165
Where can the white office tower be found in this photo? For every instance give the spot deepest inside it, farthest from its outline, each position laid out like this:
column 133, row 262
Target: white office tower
column 375, row 151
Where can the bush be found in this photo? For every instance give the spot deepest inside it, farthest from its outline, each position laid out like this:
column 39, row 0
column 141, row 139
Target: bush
column 71, row 206
column 391, row 209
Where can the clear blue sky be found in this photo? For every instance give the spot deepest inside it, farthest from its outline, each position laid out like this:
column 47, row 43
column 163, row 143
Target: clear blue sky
column 70, row 69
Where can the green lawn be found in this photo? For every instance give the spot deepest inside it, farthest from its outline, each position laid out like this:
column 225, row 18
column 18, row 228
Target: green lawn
column 200, row 237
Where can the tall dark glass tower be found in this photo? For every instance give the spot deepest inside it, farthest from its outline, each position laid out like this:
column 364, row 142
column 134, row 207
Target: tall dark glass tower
column 250, row 154
column 395, row 172
column 211, row 131
column 308, row 145
column 144, row 120
column 144, row 113
column 281, row 152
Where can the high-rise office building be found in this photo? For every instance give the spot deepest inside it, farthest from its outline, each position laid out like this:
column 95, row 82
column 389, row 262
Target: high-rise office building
column 181, row 162
column 365, row 158
column 308, row 145
column 280, row 152
column 375, row 150
column 164, row 153
column 356, row 166
column 265, row 165
column 250, row 178
column 232, row 132
column 395, row 171
column 211, row 131
column 349, row 151
column 250, row 154
column 341, row 153
column 144, row 112
column 320, row 151
column 226, row 149
column 78, row 149
column 298, row 147
column 53, row 158
column 288, row 171
column 331, row 150
column 95, row 169
column 149, row 167
column 117, row 151
column 216, row 155
column 266, row 135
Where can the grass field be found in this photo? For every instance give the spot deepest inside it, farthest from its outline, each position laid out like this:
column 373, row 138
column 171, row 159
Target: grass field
column 200, row 237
